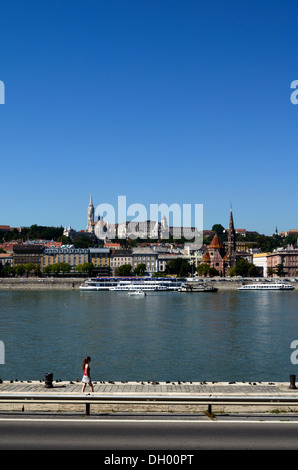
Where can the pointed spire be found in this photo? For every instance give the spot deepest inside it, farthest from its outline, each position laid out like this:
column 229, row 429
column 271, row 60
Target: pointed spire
column 216, row 243
column 90, row 215
column 231, row 241
column 231, row 227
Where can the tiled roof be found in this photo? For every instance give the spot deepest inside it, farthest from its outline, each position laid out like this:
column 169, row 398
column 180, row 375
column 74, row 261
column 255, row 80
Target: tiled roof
column 216, row 243
column 206, row 257
column 28, row 248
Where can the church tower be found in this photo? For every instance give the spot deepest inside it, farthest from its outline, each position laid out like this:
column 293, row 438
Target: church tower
column 90, row 225
column 231, row 242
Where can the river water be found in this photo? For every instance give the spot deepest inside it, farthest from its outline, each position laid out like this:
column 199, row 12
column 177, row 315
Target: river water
column 166, row 336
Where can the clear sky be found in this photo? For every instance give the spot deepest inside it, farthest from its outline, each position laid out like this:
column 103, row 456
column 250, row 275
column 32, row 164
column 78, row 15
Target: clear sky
column 163, row 101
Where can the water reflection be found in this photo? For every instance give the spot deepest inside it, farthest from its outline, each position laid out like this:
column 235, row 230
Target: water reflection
column 164, row 336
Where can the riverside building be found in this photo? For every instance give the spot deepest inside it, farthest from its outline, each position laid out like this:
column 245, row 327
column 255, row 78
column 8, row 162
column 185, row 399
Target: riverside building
column 145, row 256
column 119, row 258
column 24, row 254
column 66, row 254
column 288, row 258
column 100, row 258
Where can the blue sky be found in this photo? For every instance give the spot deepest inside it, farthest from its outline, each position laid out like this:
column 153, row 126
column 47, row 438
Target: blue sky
column 163, row 101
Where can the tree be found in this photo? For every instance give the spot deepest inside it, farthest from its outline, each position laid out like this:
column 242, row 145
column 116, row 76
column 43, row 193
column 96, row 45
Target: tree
column 85, row 268
column 279, row 269
column 270, row 272
column 30, row 268
column 20, row 270
column 84, row 242
column 64, row 267
column 46, row 233
column 221, row 232
column 57, row 268
column 124, row 270
column 203, row 269
column 213, row 272
column 233, row 271
column 7, row 271
column 65, row 240
column 140, row 269
column 47, row 269
column 244, row 269
column 254, row 271
column 178, row 266
column 218, row 228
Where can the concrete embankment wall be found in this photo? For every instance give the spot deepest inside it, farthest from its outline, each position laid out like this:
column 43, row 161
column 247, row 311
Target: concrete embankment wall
column 40, row 284
column 72, row 389
column 31, row 283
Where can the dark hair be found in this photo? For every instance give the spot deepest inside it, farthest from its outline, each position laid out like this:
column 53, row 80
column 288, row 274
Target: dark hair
column 85, row 361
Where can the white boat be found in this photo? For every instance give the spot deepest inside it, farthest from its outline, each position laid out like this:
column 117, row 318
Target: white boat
column 267, row 286
column 139, row 286
column 132, row 283
column 137, row 292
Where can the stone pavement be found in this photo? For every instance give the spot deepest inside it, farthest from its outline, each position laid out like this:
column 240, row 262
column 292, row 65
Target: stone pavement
column 151, row 388
column 147, row 389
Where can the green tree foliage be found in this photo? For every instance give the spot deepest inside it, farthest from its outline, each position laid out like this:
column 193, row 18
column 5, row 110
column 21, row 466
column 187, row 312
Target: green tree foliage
column 85, row 268
column 124, row 270
column 220, row 231
column 179, row 266
column 203, row 269
column 218, row 228
column 39, row 232
column 140, row 269
column 6, row 270
column 279, row 270
column 245, row 269
column 213, row 272
column 84, row 242
column 29, row 269
column 20, row 270
column 57, row 268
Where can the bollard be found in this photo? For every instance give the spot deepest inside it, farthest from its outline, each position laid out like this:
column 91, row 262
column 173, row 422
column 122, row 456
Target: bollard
column 49, row 380
column 292, row 382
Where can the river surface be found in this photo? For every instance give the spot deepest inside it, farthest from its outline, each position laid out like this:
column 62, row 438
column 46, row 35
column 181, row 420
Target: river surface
column 223, row 336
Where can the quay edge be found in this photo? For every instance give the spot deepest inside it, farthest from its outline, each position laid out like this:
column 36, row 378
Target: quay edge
column 152, row 389
column 74, row 284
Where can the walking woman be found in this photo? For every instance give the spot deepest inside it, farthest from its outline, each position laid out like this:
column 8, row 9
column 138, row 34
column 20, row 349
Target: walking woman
column 86, row 377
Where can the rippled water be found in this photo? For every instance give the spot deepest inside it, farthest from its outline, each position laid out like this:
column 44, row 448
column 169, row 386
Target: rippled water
column 223, row 336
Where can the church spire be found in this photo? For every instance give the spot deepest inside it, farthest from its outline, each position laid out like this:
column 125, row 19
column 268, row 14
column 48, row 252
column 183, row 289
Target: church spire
column 231, row 241
column 90, row 224
column 231, row 224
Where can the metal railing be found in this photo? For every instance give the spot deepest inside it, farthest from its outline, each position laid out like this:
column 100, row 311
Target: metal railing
column 94, row 399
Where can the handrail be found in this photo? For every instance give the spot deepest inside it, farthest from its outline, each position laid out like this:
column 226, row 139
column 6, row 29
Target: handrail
column 89, row 399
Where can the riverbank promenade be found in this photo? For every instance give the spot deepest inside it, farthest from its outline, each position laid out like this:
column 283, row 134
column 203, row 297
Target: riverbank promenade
column 152, row 390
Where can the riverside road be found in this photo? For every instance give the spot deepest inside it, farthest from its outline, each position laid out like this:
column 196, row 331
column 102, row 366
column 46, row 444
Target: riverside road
column 35, row 426
column 141, row 434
